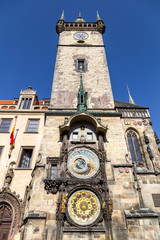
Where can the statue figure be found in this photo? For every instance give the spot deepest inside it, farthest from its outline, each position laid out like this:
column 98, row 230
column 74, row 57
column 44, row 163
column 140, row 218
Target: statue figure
column 100, row 143
column 9, row 176
column 104, row 209
column 110, row 205
column 127, row 158
column 58, row 205
column 64, row 202
column 65, row 142
column 150, row 152
column 39, row 158
column 82, row 139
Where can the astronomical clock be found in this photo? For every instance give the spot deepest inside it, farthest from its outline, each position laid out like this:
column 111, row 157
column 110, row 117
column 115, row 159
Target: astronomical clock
column 81, row 181
column 83, row 206
column 83, row 163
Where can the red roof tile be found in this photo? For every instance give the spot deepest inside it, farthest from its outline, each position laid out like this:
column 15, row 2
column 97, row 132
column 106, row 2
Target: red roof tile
column 6, row 102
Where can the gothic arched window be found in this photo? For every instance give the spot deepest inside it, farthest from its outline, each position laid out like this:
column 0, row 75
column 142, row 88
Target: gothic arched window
column 134, row 147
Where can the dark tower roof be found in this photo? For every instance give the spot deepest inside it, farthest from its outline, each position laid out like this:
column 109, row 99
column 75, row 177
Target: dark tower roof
column 80, row 25
column 120, row 104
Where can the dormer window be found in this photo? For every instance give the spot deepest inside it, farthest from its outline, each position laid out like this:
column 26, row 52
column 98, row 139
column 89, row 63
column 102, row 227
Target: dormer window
column 16, row 101
column 47, row 103
column 25, row 103
column 28, row 98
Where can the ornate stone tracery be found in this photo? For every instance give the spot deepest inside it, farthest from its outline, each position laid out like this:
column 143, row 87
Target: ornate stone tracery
column 8, row 198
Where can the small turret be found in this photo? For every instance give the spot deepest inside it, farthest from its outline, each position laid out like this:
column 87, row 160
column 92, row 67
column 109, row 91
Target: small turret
column 100, row 24
column 98, row 17
column 60, row 24
column 62, row 16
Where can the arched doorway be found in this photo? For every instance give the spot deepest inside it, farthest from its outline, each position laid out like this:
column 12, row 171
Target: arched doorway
column 5, row 220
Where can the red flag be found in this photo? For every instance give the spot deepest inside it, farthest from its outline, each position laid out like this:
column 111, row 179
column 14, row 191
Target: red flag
column 12, row 137
column 12, row 140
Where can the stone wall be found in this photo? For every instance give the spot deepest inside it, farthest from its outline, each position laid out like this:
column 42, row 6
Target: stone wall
column 22, row 177
column 96, row 79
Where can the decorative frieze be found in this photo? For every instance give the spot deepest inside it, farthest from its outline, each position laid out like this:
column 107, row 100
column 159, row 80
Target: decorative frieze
column 134, row 113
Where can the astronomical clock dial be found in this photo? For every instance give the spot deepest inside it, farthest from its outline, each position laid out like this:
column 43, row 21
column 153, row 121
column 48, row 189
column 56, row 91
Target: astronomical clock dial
column 83, row 207
column 83, row 163
column 80, row 35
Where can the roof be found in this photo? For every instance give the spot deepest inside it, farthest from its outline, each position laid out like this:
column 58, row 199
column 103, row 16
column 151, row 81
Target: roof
column 120, row 104
column 40, row 102
column 6, row 102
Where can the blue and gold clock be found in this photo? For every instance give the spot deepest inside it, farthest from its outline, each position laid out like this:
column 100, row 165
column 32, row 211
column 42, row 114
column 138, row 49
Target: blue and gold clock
column 83, row 163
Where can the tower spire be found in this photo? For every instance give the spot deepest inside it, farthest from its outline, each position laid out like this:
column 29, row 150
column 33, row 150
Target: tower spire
column 98, row 17
column 82, row 107
column 130, row 97
column 62, row 16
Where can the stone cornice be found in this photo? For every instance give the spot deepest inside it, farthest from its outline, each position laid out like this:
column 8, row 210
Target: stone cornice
column 141, row 213
column 79, row 45
column 80, row 26
column 69, row 113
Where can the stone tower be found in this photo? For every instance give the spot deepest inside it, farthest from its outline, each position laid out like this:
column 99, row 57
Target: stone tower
column 89, row 166
column 81, row 49
column 96, row 174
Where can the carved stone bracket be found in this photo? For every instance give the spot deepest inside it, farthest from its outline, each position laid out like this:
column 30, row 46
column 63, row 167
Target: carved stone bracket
column 149, row 150
column 146, row 139
column 52, row 186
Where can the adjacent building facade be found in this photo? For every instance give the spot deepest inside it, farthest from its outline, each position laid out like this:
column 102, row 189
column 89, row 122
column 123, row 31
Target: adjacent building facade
column 82, row 165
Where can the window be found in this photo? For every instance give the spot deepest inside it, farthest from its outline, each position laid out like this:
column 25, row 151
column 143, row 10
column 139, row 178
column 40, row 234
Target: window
column 75, row 136
column 134, row 147
column 81, row 66
column 5, row 125
column 25, row 103
column 89, row 136
column 1, row 150
column 47, row 103
column 25, row 158
column 53, row 171
column 32, row 125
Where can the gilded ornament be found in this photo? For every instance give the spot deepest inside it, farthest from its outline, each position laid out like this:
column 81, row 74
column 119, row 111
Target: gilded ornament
column 83, row 207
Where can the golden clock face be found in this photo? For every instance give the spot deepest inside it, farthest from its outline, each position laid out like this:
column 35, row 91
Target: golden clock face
column 83, row 163
column 83, row 207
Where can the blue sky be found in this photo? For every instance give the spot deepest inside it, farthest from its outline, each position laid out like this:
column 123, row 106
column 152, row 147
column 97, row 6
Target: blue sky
column 28, row 44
